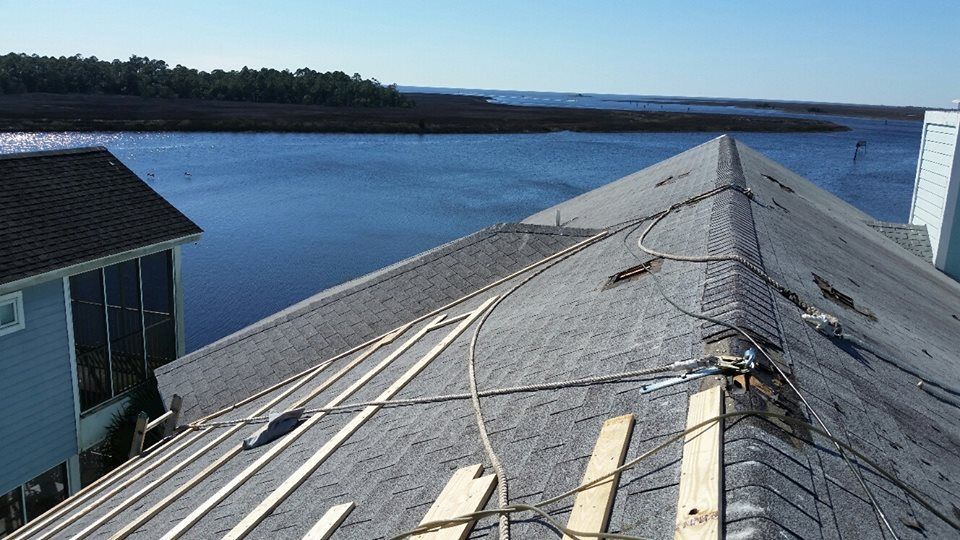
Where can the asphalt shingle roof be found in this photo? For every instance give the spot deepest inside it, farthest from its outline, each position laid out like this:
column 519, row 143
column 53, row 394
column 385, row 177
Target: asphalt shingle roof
column 64, row 207
column 354, row 312
column 911, row 237
column 570, row 322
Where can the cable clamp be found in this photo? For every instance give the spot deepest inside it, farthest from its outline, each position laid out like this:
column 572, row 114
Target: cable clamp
column 711, row 365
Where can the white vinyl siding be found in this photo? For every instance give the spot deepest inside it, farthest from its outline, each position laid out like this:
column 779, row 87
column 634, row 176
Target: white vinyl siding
column 934, row 168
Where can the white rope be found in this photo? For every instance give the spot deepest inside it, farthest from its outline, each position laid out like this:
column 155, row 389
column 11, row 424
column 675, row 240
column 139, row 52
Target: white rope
column 808, row 309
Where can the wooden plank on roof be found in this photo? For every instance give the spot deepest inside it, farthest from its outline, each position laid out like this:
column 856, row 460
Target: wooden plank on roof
column 139, row 433
column 456, row 485
column 592, row 506
column 212, row 467
column 698, row 506
column 99, row 485
column 88, row 492
column 284, row 442
column 70, row 504
column 463, row 494
column 477, row 493
column 280, row 494
column 332, row 519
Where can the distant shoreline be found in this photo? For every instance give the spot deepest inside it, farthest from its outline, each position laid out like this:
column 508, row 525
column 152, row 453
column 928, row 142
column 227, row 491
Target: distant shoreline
column 877, row 112
column 431, row 114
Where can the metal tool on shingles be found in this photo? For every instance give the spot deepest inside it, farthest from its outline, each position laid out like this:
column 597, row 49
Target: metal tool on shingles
column 278, row 426
column 715, row 365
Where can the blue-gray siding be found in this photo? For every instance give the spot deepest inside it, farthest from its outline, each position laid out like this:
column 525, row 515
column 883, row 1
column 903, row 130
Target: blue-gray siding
column 37, row 422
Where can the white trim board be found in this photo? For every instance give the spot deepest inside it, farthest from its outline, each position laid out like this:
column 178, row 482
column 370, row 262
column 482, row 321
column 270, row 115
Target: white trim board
column 19, row 321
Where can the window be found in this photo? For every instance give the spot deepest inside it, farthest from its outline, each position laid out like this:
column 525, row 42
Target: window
column 11, row 511
column 45, row 491
column 11, row 313
column 26, row 502
column 90, row 338
column 123, row 325
column 156, row 273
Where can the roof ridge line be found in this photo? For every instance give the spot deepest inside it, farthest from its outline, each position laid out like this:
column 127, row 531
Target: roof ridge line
column 55, row 152
column 731, row 292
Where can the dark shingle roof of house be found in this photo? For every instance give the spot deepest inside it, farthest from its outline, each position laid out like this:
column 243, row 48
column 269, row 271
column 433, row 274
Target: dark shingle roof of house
column 64, row 207
column 900, row 315
column 911, row 237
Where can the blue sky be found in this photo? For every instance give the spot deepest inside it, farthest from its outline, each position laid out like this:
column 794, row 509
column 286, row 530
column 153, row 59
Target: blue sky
column 867, row 52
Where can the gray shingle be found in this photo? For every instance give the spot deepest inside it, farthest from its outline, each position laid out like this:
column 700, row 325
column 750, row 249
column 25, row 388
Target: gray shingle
column 350, row 314
column 911, row 237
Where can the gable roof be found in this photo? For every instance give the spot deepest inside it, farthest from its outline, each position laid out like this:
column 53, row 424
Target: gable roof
column 61, row 208
column 564, row 320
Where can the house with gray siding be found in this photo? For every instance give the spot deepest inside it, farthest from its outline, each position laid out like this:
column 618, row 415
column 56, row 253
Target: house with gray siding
column 90, row 304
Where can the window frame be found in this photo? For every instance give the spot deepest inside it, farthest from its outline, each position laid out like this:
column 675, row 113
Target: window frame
column 22, row 488
column 19, row 323
column 169, row 276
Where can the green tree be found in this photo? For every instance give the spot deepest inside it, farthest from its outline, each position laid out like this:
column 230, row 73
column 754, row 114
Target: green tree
column 142, row 76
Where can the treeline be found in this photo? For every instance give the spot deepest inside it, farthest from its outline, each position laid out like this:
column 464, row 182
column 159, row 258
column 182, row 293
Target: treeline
column 141, row 76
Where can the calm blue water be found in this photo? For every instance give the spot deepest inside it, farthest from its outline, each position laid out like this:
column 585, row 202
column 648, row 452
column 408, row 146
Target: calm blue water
column 287, row 215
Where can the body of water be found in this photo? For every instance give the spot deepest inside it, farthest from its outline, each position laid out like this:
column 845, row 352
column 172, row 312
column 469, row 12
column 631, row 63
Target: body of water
column 288, row 215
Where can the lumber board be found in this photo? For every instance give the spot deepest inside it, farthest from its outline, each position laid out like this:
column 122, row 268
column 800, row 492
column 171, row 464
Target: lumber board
column 96, row 487
column 147, row 515
column 162, row 419
column 66, row 521
column 459, row 497
column 280, row 494
column 455, row 487
column 283, row 443
column 139, row 432
column 176, row 405
column 332, row 519
column 463, row 494
column 181, row 464
column 592, row 506
column 698, row 505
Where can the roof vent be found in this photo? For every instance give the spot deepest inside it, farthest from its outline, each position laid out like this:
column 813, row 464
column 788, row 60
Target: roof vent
column 937, row 188
column 650, row 266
